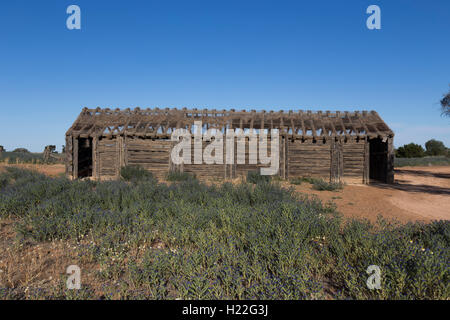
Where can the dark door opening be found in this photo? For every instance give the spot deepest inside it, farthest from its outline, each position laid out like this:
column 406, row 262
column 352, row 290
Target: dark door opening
column 378, row 160
column 84, row 157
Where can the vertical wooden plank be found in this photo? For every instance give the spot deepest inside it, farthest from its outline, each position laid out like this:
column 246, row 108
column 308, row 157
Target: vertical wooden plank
column 94, row 158
column 75, row 158
column 121, row 152
column 235, row 158
column 366, row 169
column 341, row 160
column 287, row 157
column 390, row 161
column 170, row 163
column 334, row 163
column 69, row 156
column 125, row 150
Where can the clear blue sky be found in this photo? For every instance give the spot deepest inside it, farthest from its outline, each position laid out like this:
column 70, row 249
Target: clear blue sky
column 315, row 55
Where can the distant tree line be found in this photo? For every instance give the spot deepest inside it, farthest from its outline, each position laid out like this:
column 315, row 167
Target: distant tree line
column 432, row 148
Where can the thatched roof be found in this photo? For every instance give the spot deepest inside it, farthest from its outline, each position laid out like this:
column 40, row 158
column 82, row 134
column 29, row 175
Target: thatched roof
column 160, row 123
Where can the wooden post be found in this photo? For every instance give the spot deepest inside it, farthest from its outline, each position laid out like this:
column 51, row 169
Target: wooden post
column 390, row 161
column 75, row 158
column 366, row 169
column 94, row 158
column 125, row 150
column 69, row 156
column 121, row 152
column 337, row 160
column 286, row 156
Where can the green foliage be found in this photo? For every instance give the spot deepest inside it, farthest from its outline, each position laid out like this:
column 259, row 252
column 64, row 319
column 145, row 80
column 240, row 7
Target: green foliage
column 225, row 242
column 180, row 176
column 318, row 183
column 255, row 177
column 135, row 173
column 435, row 148
column 410, row 150
column 21, row 150
column 322, row 185
column 296, row 181
column 425, row 161
column 20, row 157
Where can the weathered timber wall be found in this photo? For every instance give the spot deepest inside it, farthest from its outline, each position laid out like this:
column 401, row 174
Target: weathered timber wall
column 242, row 169
column 108, row 158
column 205, row 170
column 152, row 155
column 332, row 160
column 306, row 158
column 354, row 160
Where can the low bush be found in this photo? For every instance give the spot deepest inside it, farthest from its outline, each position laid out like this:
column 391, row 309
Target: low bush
column 322, row 185
column 256, row 177
column 425, row 161
column 21, row 157
column 226, row 241
column 180, row 176
column 135, row 173
column 296, row 181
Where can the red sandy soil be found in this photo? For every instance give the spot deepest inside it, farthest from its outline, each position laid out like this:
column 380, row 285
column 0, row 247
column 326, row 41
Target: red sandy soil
column 52, row 170
column 419, row 193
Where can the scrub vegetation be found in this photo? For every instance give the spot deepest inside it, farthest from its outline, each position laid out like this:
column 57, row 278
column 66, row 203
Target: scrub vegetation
column 147, row 240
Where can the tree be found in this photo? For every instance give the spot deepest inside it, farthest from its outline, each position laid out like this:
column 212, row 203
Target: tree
column 410, row 150
column 445, row 104
column 435, row 148
column 21, row 150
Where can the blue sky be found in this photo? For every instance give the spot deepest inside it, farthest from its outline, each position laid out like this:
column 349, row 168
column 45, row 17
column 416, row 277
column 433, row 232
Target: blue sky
column 315, row 55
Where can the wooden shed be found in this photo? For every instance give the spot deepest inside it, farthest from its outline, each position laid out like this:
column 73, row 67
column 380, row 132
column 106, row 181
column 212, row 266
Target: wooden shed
column 337, row 146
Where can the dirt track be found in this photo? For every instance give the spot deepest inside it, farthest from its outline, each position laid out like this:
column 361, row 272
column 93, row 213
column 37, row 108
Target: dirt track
column 420, row 193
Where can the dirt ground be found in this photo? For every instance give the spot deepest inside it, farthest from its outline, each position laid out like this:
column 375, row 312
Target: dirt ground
column 52, row 170
column 419, row 193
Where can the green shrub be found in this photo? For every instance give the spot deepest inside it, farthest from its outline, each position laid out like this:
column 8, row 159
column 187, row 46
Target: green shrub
column 425, row 161
column 21, row 150
column 20, row 157
column 135, row 173
column 226, row 241
column 255, row 177
column 410, row 150
column 322, row 185
column 180, row 176
column 296, row 181
column 435, row 148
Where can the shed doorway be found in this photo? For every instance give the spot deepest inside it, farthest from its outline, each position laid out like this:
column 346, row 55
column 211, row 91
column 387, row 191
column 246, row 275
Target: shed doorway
column 84, row 157
column 378, row 160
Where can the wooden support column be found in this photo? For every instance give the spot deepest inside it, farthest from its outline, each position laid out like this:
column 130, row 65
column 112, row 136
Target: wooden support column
column 286, row 156
column 69, row 156
column 121, row 152
column 95, row 174
column 282, row 146
column 366, row 169
column 390, row 161
column 75, row 157
column 336, row 167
